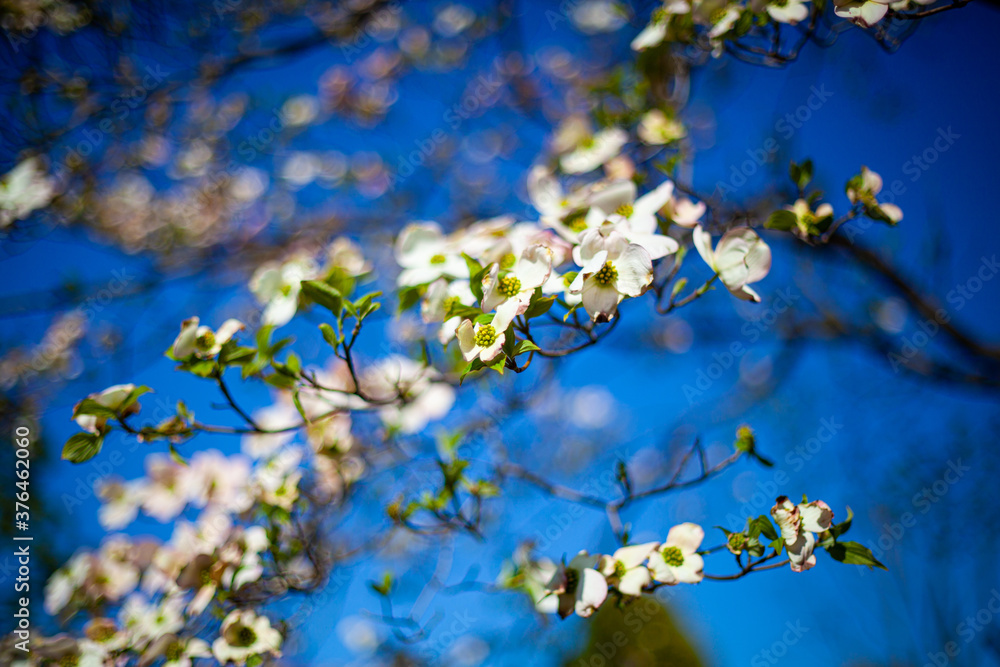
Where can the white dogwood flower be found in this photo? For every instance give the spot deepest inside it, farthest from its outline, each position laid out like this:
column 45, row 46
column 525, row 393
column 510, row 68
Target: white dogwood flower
column 634, row 218
column 610, row 275
column 277, row 285
column 594, row 151
column 113, row 398
column 678, row 561
column 201, row 341
column 863, row 188
column 626, row 569
column 864, row 13
column 24, row 189
column 797, row 524
column 656, row 128
column 518, row 284
column 425, row 254
column 245, row 634
column 656, row 31
column 740, row 258
column 788, row 11
column 579, row 586
column 485, row 339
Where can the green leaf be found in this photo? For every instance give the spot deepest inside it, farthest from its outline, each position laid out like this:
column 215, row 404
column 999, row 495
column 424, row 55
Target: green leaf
column 782, row 220
column 525, row 346
column 801, row 174
column 203, row 368
column 476, row 283
column 293, row 364
column 367, row 305
column 499, row 364
column 854, row 553
column 409, row 297
column 280, row 380
column 474, row 266
column 539, row 304
column 176, row 456
column 82, row 447
column 456, row 309
column 839, row 529
column 320, row 293
column 329, row 335
column 235, row 355
column 89, row 406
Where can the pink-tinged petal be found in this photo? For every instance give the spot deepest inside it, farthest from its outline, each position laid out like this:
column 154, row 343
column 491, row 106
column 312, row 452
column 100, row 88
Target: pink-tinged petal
column 816, row 516
column 467, row 340
column 685, row 536
column 534, row 267
column 786, row 515
column 635, row 271
column 703, row 244
column 493, row 351
column 685, row 212
column 634, row 581
column 800, row 553
column 758, row 261
column 591, row 591
column 746, row 293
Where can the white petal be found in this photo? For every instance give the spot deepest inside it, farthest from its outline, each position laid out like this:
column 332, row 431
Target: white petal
column 467, row 340
column 635, row 271
column 634, row 580
column 685, row 536
column 800, row 553
column 534, row 267
column 692, row 570
column 816, row 516
column 600, row 301
column 544, row 190
column 660, row 570
column 635, row 555
column 651, row 35
column 227, row 331
column 644, row 212
column 703, row 244
column 185, row 342
column 657, row 245
column 591, row 591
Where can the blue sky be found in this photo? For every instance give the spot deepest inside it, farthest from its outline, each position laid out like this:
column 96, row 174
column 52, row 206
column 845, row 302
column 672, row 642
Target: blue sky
column 891, row 435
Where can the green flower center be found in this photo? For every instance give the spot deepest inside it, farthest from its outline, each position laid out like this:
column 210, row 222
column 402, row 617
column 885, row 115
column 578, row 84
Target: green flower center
column 660, row 15
column 507, row 261
column 587, row 143
column 509, row 286
column 572, row 579
column 620, row 569
column 673, row 556
column 625, row 210
column 450, row 302
column 206, row 340
column 486, row 335
column 576, row 221
column 174, row 652
column 438, row 259
column 718, row 15
column 736, row 541
column 607, row 275
column 245, row 637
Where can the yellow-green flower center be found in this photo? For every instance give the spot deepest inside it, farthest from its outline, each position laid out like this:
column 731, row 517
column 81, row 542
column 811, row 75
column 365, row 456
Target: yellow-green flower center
column 507, row 261
column 174, row 652
column 620, row 569
column 245, row 637
column 450, row 302
column 587, row 142
column 438, row 259
column 486, row 335
column 576, row 221
column 509, row 286
column 736, row 541
column 607, row 275
column 625, row 210
column 70, row 660
column 673, row 556
column 206, row 340
column 660, row 15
